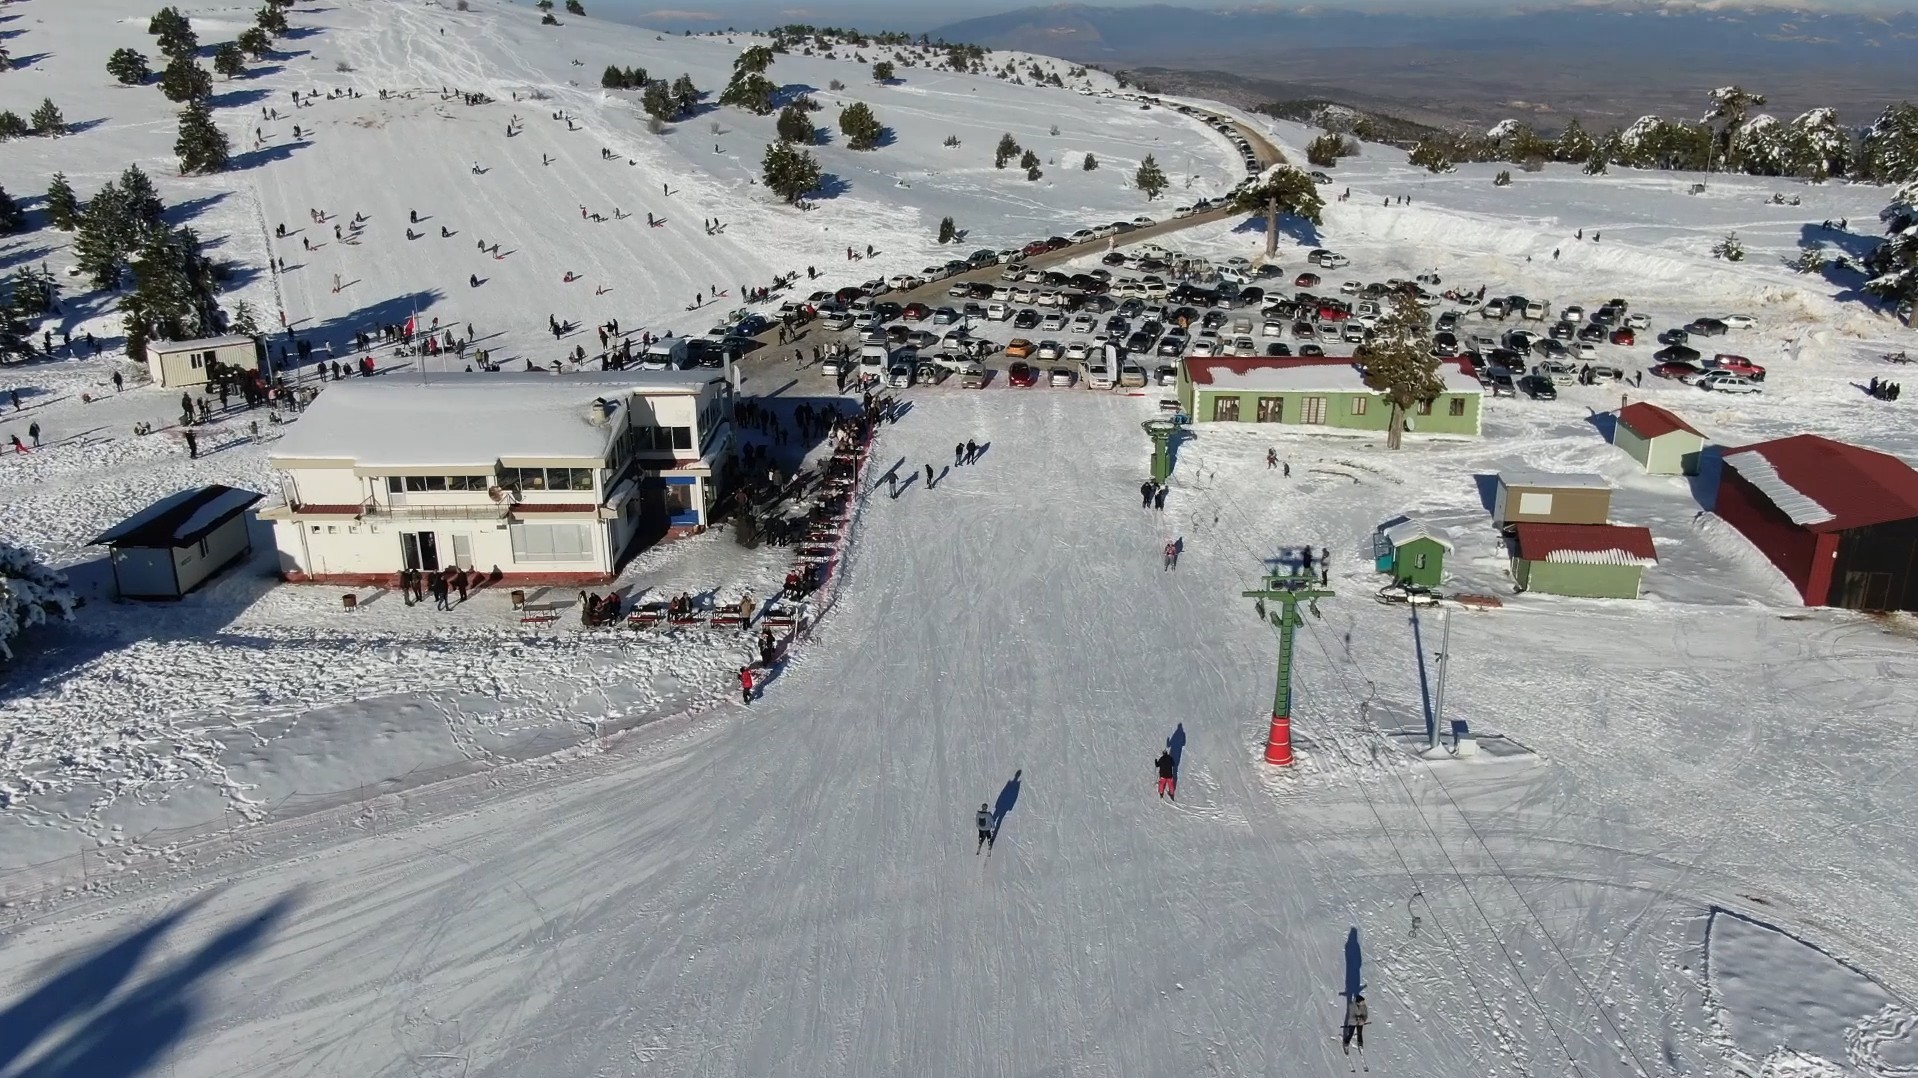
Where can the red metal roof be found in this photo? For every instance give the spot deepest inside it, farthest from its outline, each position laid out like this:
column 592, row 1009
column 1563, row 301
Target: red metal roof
column 1651, row 421
column 1596, row 543
column 1857, row 487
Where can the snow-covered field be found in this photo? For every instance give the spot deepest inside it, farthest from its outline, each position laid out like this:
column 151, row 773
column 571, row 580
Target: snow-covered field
column 401, row 841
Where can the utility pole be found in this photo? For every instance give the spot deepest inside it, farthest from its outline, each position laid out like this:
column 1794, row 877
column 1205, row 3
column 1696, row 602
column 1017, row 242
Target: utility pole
column 1288, row 584
column 1162, row 432
column 1444, row 655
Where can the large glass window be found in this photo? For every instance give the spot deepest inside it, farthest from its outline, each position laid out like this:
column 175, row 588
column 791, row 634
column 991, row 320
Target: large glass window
column 429, row 484
column 551, row 542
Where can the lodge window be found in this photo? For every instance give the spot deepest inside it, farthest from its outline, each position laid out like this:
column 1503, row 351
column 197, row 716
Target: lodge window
column 1455, row 406
column 1312, row 410
column 1423, row 408
column 524, row 479
column 435, row 484
column 551, row 542
column 1271, row 409
column 1359, row 405
column 662, row 439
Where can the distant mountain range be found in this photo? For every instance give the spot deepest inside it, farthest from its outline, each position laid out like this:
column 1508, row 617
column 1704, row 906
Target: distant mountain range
column 1600, row 61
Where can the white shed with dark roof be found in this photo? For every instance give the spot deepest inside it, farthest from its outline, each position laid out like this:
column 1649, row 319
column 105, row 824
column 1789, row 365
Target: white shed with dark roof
column 173, row 546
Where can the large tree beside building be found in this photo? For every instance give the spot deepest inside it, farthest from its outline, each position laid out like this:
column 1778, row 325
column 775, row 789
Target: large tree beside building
column 1284, row 189
column 1399, row 364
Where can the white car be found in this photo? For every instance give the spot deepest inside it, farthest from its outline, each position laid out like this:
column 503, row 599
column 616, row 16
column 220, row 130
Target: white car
column 1098, row 375
column 837, row 320
column 1585, row 350
column 900, row 282
column 1739, row 321
column 998, row 312
column 1273, row 330
column 1351, row 288
column 1048, row 350
column 1084, row 323
column 1727, row 382
column 1638, row 321
column 1333, row 260
column 1046, row 299
column 1022, row 295
column 1573, row 314
column 1204, row 348
column 1053, row 323
column 1142, row 221
column 1083, row 235
column 1077, row 351
column 1012, row 273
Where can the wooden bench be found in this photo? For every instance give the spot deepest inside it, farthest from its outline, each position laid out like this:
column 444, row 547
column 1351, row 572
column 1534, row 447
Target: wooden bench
column 648, row 615
column 538, row 613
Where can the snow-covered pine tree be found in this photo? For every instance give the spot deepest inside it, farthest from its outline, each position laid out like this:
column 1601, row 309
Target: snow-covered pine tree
column 1893, row 264
column 243, row 321
column 98, row 250
column 128, row 67
column 1730, row 248
column 63, row 206
column 12, row 126
column 1090, row 163
column 685, row 94
column 883, row 71
column 1284, row 189
column 1819, row 146
column 1573, row 144
column 271, row 19
column 788, row 172
column 861, row 128
column 1150, row 178
column 30, row 594
column 255, row 42
column 1399, row 363
column 1729, row 106
column 1431, row 157
column 201, row 145
column 658, row 102
column 574, row 7
column 141, row 202
column 177, row 37
column 795, row 126
column 1889, row 150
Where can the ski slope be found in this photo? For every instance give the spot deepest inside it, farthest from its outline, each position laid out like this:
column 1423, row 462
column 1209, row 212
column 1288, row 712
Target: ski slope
column 246, row 834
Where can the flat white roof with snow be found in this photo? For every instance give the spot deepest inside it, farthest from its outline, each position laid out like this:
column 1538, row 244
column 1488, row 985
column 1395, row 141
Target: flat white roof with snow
column 1527, row 477
column 469, row 419
column 201, row 345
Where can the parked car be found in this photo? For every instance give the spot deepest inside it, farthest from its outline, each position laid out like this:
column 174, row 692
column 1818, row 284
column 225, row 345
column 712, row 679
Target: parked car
column 1019, row 348
column 1023, row 375
column 1706, row 327
column 1049, row 349
column 1538, row 387
column 1311, row 350
column 1131, row 376
column 1624, row 335
column 1676, row 353
column 1739, row 321
column 1727, row 382
column 1061, row 377
column 1306, row 280
column 1676, row 368
column 1737, row 365
column 1638, row 321
column 1494, row 308
column 1027, row 318
column 837, row 320
column 1166, row 374
column 1278, row 348
column 900, row 376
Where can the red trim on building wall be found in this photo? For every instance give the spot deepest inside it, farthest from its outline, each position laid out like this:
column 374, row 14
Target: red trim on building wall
column 1791, row 548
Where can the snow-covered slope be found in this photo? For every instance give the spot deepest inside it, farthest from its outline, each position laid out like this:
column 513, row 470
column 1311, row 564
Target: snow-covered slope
column 252, row 833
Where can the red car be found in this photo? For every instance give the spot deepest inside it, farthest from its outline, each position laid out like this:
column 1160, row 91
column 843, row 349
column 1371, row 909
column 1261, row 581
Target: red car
column 915, row 312
column 1676, row 369
column 1036, row 247
column 1624, row 336
column 1306, row 280
column 1023, row 375
column 1739, row 365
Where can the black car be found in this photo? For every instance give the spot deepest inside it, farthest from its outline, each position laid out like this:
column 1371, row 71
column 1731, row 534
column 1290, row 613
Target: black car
column 1448, row 321
column 1501, row 381
column 1172, row 344
column 1563, row 331
column 1707, row 327
column 1117, row 326
column 1538, row 387
column 1278, row 348
column 1214, row 319
column 1593, row 332
column 1140, row 342
column 1311, row 350
column 1676, row 353
column 1115, row 258
column 1054, row 279
column 1027, row 318
column 983, row 258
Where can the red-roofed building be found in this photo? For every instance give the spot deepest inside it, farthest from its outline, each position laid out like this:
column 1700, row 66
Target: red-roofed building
column 1597, row 561
column 1660, row 441
column 1840, row 521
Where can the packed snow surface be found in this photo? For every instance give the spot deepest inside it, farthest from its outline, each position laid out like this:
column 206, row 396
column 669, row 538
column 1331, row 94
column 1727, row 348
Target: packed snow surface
column 253, row 833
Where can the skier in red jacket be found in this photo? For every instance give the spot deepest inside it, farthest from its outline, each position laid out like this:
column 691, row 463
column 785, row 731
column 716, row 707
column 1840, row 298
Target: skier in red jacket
column 746, row 684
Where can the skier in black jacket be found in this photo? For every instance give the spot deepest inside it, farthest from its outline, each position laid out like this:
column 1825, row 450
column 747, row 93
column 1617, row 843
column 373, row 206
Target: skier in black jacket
column 988, row 829
column 1168, row 775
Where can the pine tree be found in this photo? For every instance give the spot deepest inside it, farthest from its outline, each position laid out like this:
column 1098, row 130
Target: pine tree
column 184, row 80
column 63, row 207
column 612, row 78
column 685, row 94
column 882, row 71
column 1282, row 190
column 658, row 102
column 789, row 172
column 947, row 230
column 861, row 128
column 166, row 20
column 128, row 66
column 271, row 19
column 1399, row 364
column 201, row 145
column 1729, row 107
column 1431, row 157
column 255, row 42
column 228, row 61
column 1090, row 164
column 1573, row 144
column 30, row 595
column 1007, row 150
column 140, row 202
column 12, row 126
column 1503, row 179
column 574, row 7
column 6, row 58
column 1033, row 173
column 98, row 246
column 243, row 322
column 11, row 218
column 795, row 126
column 1324, row 150
column 1029, row 160
column 47, row 119
column 1149, row 178
column 177, row 37
column 1889, row 151
column 544, row 5
column 1731, row 248
column 751, row 91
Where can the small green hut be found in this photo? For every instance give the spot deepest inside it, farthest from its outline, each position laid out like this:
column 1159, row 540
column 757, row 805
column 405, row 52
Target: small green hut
column 1412, row 551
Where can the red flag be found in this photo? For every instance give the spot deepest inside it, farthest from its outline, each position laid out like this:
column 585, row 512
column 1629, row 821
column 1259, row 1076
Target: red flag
column 409, row 324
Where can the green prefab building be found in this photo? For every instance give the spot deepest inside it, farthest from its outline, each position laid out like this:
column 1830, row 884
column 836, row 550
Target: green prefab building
column 1660, row 441
column 1317, row 392
column 1594, row 561
column 1412, row 551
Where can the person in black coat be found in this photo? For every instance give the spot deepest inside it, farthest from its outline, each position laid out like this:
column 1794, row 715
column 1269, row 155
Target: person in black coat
column 1168, row 766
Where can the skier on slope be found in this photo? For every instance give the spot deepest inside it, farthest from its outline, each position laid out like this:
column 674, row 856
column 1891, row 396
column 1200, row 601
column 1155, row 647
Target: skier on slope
column 1355, row 1019
column 988, row 831
column 1168, row 767
column 746, row 684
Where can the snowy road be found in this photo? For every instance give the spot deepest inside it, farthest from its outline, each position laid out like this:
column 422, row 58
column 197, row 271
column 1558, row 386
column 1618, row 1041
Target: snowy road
column 792, row 889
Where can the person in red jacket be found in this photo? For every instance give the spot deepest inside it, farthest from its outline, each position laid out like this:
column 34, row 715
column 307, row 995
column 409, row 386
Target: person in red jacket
column 745, row 684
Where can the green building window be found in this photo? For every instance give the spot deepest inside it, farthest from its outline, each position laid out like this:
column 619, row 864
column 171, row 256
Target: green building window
column 1455, row 407
column 1424, row 408
column 1359, row 405
column 1271, row 409
column 1225, row 409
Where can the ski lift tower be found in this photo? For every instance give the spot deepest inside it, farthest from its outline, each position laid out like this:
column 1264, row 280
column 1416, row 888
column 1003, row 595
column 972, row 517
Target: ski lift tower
column 1162, row 432
column 1291, row 581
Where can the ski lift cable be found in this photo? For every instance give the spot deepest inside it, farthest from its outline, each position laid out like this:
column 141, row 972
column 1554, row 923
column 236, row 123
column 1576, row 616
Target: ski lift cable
column 1511, row 960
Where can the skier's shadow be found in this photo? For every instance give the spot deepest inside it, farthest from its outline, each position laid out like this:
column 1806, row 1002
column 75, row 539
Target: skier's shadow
column 1354, row 964
column 1008, row 797
column 1176, row 746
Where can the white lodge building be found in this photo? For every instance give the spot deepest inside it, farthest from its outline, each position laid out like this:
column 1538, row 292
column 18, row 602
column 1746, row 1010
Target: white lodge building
column 532, row 477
